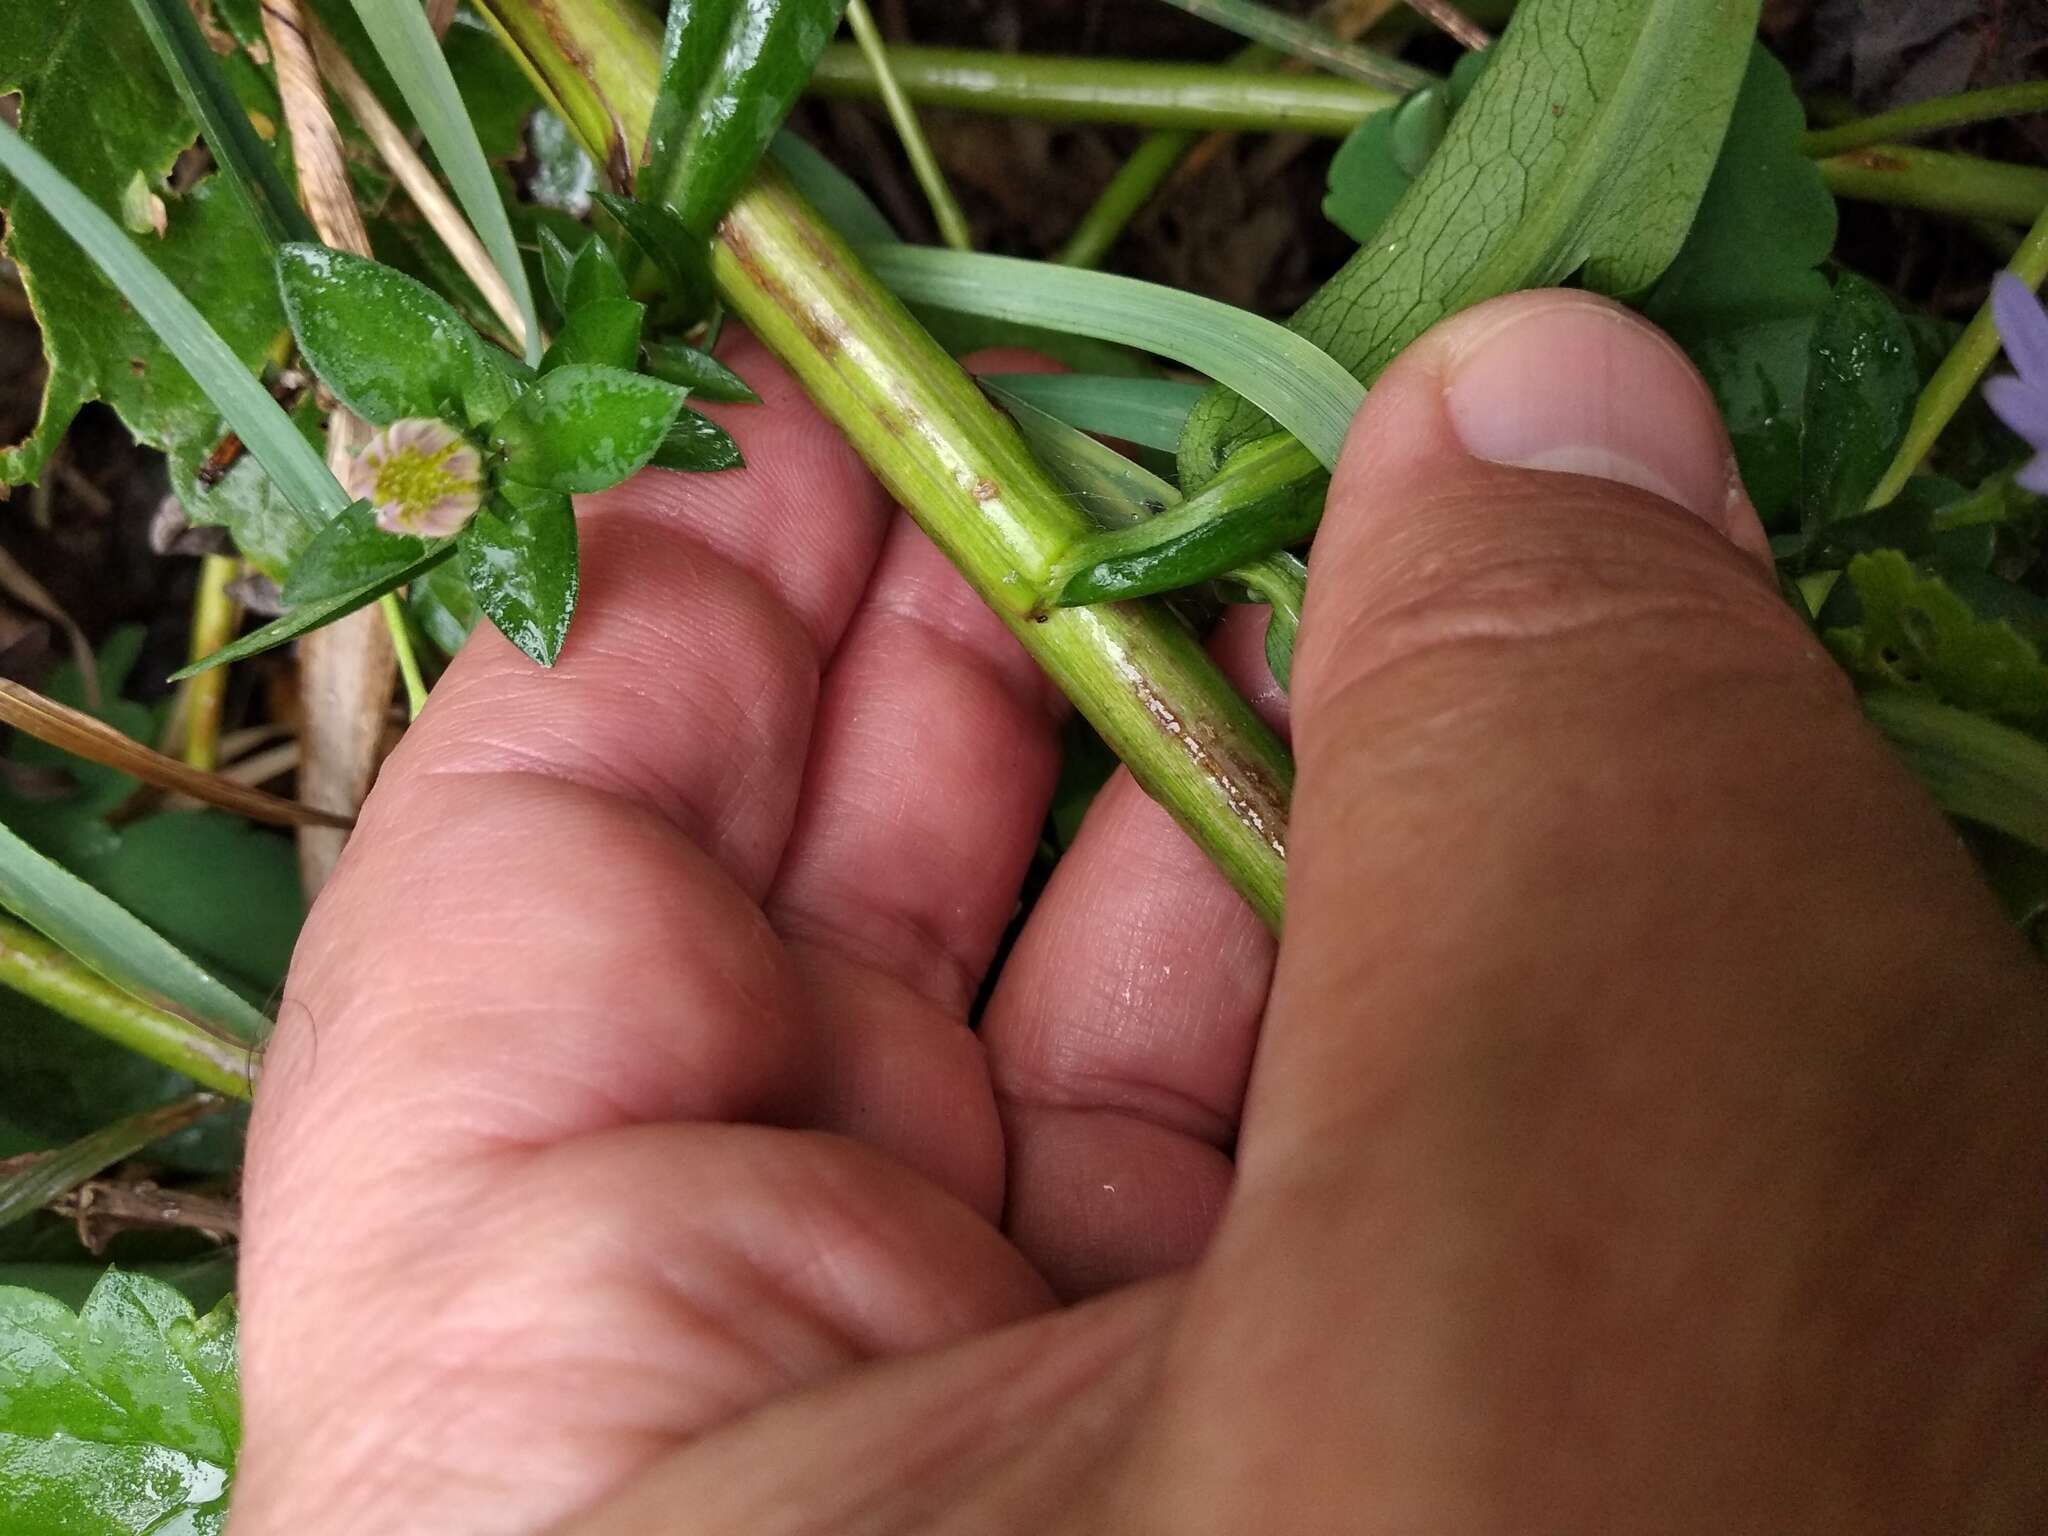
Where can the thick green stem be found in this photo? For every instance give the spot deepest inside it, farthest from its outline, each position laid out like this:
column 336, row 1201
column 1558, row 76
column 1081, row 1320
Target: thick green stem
column 1925, row 117
column 954, row 461
column 36, row 968
column 1960, row 370
column 1935, row 181
column 1144, row 94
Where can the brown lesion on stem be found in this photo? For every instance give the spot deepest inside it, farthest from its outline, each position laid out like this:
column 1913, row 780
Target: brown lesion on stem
column 1254, row 794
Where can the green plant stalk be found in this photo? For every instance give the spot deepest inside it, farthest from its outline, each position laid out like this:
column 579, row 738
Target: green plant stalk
column 1925, row 117
column 1935, row 181
column 36, row 968
column 214, row 616
column 1960, row 371
column 1138, row 179
column 952, row 459
column 924, row 164
column 402, row 648
column 1141, row 93
column 47, row 1176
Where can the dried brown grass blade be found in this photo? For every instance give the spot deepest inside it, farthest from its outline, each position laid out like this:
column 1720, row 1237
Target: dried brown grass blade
column 97, row 742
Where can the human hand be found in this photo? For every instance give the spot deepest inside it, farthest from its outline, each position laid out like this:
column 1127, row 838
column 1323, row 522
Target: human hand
column 1645, row 1128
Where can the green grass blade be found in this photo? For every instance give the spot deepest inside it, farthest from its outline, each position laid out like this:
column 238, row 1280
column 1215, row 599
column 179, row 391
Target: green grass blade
column 265, row 430
column 112, row 941
column 1291, row 379
column 306, row 616
column 835, row 194
column 1148, row 412
column 1111, row 489
column 211, row 101
column 1307, row 41
column 34, row 1184
column 1975, row 768
column 405, row 42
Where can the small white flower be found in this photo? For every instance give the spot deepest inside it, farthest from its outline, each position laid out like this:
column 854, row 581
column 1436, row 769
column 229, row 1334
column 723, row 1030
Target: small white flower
column 423, row 477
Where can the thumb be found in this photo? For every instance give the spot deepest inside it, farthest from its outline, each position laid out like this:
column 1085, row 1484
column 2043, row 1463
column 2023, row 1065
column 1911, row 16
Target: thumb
column 1649, row 1085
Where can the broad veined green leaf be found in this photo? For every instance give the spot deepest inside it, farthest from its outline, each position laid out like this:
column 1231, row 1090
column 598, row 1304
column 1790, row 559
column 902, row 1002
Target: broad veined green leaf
column 1917, row 634
column 97, row 103
column 1861, row 382
column 519, row 557
column 696, row 444
column 351, row 553
column 605, row 332
column 583, row 428
column 124, row 1417
column 1294, row 381
column 1376, row 165
column 1148, row 412
column 697, row 371
column 1631, row 100
column 298, row 621
column 1765, row 225
column 730, row 71
column 387, row 346
column 411, row 52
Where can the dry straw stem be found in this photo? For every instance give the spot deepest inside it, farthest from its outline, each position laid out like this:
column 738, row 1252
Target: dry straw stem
column 95, row 741
column 426, row 192
column 347, row 669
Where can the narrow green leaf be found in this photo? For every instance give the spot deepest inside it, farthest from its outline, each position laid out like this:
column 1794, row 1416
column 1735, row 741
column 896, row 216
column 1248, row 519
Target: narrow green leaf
column 1975, row 768
column 682, row 258
column 406, row 44
column 1148, row 412
column 832, row 192
column 696, row 444
column 250, row 167
column 1282, row 580
column 584, row 428
column 116, row 944
column 265, row 430
column 291, row 625
column 1111, row 489
column 606, row 332
column 389, row 347
column 349, row 554
column 697, row 371
column 125, row 1417
column 555, row 261
column 1861, row 382
column 1287, row 377
column 36, row 1183
column 1306, row 40
column 730, row 71
column 519, row 557
column 1585, row 147
column 593, row 278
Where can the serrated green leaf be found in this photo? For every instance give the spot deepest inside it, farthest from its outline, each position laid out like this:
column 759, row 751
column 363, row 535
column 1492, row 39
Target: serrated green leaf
column 1585, row 147
column 519, row 558
column 584, row 428
column 124, row 1417
column 697, row 371
column 97, row 102
column 351, row 553
column 312, row 616
column 1765, row 225
column 1918, row 635
column 389, row 347
column 696, row 444
column 730, row 71
column 606, row 332
column 1861, row 383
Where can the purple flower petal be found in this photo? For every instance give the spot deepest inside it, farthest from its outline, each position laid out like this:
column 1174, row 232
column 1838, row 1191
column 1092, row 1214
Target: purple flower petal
column 2033, row 475
column 2020, row 405
column 2022, row 326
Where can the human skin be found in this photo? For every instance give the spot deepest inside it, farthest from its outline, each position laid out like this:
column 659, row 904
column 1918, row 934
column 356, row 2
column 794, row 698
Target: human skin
column 1640, row 1130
